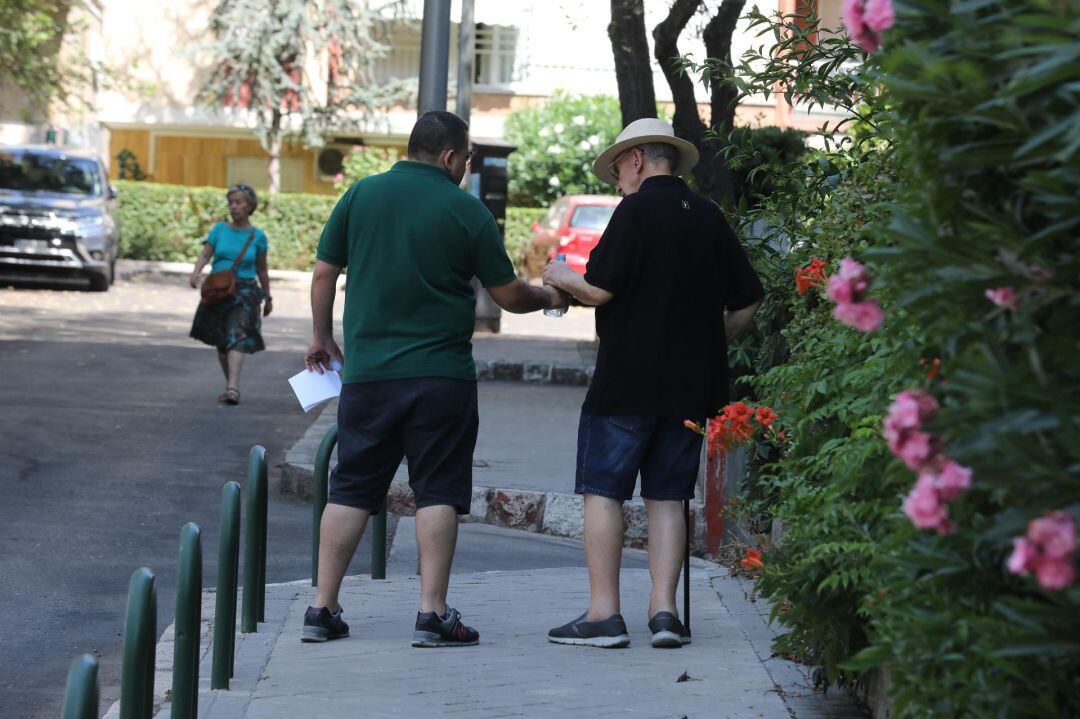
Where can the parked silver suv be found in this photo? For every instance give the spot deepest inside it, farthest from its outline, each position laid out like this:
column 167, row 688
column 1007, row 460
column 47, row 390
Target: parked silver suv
column 57, row 217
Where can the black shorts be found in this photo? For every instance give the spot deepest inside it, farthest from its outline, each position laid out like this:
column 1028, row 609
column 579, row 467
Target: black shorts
column 431, row 421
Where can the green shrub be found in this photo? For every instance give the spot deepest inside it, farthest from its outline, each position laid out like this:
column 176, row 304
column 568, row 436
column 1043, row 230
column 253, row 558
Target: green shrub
column 962, row 176
column 364, row 161
column 557, row 143
column 169, row 222
column 519, row 222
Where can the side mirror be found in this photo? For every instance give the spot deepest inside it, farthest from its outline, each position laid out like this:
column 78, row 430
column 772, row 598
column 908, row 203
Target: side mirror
column 114, row 192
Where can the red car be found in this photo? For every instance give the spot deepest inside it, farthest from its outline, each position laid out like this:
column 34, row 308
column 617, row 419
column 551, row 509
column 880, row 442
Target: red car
column 572, row 227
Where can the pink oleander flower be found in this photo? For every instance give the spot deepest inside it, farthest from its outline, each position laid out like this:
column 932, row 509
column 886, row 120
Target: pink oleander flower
column 917, row 449
column 911, row 409
column 865, row 316
column 1047, row 551
column 1023, row 556
column 855, row 20
column 1054, row 574
column 839, row 290
column 1055, row 533
column 1004, row 297
column 879, row 15
column 952, row 480
column 925, row 509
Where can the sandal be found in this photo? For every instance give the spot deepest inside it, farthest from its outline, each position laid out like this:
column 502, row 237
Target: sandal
column 232, row 396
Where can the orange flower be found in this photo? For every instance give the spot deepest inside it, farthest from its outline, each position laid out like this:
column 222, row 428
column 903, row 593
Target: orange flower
column 740, row 411
column 813, row 275
column 692, row 425
column 765, row 416
column 752, row 560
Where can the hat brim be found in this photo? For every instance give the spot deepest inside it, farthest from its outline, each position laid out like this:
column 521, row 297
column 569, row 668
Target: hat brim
column 688, row 155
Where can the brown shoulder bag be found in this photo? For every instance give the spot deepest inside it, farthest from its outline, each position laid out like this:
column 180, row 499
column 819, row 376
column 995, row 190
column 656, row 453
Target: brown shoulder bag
column 220, row 286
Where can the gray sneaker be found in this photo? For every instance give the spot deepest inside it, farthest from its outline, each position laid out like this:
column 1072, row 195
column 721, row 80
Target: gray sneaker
column 320, row 625
column 667, row 631
column 609, row 633
column 445, row 631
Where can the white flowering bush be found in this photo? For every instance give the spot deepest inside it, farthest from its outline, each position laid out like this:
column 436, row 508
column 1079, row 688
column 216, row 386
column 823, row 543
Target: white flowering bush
column 557, row 143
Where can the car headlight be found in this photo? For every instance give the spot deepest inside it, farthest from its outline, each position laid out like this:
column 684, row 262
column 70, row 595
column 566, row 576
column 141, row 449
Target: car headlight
column 91, row 225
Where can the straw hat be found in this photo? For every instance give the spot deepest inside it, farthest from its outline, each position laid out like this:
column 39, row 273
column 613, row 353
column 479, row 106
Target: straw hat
column 642, row 132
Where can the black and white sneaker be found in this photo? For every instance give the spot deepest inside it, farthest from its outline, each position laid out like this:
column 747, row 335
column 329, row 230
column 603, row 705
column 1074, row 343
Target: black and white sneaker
column 320, row 625
column 445, row 631
column 667, row 631
column 609, row 633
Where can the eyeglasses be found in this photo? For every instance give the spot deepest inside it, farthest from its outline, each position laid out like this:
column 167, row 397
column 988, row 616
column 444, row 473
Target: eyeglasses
column 468, row 153
column 611, row 168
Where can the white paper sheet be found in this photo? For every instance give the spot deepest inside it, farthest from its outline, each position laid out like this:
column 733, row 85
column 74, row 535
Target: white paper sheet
column 312, row 388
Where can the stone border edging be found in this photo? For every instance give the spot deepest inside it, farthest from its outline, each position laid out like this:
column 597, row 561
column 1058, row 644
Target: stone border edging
column 553, row 513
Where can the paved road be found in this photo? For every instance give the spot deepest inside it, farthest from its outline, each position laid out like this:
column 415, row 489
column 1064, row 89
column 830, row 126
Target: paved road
column 110, row 439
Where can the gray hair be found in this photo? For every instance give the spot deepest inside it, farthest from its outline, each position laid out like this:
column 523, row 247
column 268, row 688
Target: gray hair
column 249, row 194
column 654, row 151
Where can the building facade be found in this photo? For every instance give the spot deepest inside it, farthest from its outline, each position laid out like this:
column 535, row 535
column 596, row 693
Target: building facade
column 525, row 51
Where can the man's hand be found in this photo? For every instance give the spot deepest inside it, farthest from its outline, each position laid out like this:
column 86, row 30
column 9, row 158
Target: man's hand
column 193, row 280
column 557, row 299
column 268, row 307
column 321, row 353
column 557, row 273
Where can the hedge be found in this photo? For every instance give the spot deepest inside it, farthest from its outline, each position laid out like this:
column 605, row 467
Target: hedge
column 168, row 223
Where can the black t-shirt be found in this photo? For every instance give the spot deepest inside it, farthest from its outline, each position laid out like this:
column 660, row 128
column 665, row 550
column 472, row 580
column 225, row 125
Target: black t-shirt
column 674, row 265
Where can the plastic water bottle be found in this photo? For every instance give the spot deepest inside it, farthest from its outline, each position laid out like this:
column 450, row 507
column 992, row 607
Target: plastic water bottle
column 554, row 312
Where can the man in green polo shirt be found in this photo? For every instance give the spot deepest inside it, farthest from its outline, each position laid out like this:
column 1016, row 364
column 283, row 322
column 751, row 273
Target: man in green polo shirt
column 412, row 240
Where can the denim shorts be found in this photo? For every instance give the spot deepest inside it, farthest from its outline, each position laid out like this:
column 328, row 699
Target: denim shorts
column 613, row 450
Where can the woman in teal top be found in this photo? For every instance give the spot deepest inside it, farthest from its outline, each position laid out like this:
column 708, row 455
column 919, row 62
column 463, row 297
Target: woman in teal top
column 234, row 326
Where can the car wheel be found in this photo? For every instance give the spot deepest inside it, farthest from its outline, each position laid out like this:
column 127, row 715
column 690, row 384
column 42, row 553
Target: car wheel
column 100, row 282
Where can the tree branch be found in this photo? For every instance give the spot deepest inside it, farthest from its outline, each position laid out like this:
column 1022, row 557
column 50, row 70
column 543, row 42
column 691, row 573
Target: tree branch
column 633, row 73
column 717, row 38
column 686, row 122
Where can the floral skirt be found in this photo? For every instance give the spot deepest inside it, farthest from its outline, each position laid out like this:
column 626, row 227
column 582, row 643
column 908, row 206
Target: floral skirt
column 233, row 324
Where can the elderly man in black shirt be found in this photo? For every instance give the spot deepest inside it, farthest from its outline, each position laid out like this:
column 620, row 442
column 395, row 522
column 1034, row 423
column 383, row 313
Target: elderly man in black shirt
column 661, row 278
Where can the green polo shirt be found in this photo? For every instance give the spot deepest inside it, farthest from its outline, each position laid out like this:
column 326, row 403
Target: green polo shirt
column 412, row 240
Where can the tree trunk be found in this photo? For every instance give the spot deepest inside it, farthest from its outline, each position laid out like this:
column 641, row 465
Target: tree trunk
column 686, row 122
column 633, row 71
column 717, row 38
column 274, row 149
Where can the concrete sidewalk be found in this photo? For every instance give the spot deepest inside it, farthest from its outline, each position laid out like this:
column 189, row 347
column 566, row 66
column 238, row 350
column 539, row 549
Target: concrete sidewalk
column 523, row 466
column 727, row 672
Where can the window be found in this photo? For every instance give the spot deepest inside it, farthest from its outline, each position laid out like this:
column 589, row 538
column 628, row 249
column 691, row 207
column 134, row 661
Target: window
column 29, row 171
column 255, row 171
column 403, row 60
column 591, row 217
column 496, row 46
column 555, row 216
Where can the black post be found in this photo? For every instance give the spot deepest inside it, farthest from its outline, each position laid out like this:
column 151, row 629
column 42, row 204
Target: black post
column 466, row 64
column 434, row 56
column 686, row 569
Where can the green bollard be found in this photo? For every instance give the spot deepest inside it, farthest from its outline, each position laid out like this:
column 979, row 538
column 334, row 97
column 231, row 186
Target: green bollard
column 255, row 543
column 185, row 680
column 322, row 478
column 378, row 544
column 140, row 640
column 225, row 604
column 82, row 696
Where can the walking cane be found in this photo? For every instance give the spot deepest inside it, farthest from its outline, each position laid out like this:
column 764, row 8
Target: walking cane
column 686, row 569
